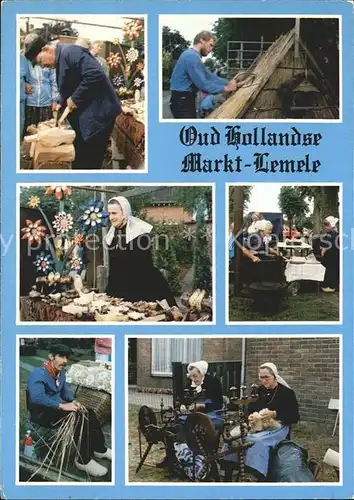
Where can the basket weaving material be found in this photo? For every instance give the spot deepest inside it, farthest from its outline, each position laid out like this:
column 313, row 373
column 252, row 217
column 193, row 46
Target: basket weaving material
column 99, row 401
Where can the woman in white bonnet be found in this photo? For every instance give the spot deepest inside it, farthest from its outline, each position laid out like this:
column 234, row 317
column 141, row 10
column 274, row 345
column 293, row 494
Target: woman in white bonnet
column 204, row 388
column 277, row 400
column 329, row 244
column 132, row 275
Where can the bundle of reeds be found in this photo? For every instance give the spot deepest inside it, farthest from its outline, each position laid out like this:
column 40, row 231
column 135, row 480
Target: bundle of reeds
column 65, row 443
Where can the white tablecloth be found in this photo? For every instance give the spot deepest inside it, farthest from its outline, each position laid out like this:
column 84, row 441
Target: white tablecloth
column 309, row 271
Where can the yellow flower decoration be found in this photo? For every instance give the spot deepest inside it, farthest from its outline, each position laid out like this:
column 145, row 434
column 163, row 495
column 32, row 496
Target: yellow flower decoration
column 34, row 202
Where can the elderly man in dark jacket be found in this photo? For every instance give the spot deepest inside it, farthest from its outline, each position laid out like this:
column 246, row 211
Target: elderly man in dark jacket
column 87, row 91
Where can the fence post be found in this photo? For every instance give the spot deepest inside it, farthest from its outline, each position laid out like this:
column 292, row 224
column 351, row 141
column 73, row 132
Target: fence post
column 102, row 278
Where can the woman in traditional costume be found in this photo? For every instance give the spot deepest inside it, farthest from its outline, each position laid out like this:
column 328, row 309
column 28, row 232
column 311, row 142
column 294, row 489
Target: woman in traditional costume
column 132, row 275
column 276, row 401
column 329, row 244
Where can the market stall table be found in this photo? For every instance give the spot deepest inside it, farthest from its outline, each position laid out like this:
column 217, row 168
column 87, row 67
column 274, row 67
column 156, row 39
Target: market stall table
column 304, row 248
column 310, row 270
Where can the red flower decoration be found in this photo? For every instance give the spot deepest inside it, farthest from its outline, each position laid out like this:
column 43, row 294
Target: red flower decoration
column 34, row 232
column 59, row 191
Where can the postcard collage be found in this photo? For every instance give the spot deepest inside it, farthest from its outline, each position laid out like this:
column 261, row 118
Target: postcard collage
column 177, row 249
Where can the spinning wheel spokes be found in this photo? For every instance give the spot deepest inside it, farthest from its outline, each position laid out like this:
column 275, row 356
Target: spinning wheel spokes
column 200, row 434
column 148, row 425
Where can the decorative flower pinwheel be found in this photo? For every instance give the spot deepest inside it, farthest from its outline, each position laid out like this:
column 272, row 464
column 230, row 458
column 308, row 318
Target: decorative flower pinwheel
column 114, row 60
column 34, row 201
column 76, row 264
column 63, row 222
column 138, row 82
column 59, row 191
column 79, row 239
column 34, row 232
column 94, row 217
column 118, row 81
column 133, row 29
column 43, row 263
column 132, row 55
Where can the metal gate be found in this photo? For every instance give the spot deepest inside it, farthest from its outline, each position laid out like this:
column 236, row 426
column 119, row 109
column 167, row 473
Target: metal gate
column 241, row 54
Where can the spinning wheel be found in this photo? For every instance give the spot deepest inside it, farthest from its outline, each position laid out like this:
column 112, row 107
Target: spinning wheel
column 200, row 434
column 150, row 430
column 148, row 425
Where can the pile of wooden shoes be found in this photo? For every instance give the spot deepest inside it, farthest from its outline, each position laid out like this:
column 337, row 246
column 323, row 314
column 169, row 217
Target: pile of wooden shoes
column 50, row 146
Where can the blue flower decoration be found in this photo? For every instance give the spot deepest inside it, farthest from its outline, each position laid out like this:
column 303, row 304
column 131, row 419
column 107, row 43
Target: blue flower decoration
column 44, row 263
column 94, row 217
column 118, row 81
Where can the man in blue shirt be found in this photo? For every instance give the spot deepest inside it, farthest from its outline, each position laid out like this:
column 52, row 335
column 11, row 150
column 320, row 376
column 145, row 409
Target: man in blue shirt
column 190, row 76
column 50, row 400
column 89, row 94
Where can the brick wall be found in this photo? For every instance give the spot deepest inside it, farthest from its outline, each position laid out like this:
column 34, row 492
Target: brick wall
column 310, row 367
column 223, row 349
column 168, row 214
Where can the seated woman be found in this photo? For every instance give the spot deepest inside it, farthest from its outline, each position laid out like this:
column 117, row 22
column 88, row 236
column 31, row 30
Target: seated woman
column 132, row 275
column 276, row 400
column 204, row 395
column 329, row 244
column 205, row 390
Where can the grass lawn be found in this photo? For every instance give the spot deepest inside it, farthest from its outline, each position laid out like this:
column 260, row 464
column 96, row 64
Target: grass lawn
column 303, row 307
column 314, row 437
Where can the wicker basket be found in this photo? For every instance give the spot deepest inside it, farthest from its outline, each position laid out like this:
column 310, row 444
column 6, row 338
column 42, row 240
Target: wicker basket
column 99, row 401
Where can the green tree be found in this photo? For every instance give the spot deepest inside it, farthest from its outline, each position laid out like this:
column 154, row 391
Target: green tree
column 292, row 204
column 53, row 30
column 173, row 44
column 201, row 258
column 325, row 202
column 192, row 196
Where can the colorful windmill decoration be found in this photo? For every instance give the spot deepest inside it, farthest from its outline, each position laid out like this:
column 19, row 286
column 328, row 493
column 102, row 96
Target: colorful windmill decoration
column 133, row 29
column 63, row 222
column 118, row 81
column 33, row 232
column 44, row 263
column 94, row 217
column 114, row 60
column 76, row 264
column 132, row 55
column 138, row 82
column 34, row 202
column 58, row 191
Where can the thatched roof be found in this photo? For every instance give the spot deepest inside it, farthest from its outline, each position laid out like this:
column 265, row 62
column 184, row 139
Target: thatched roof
column 269, row 84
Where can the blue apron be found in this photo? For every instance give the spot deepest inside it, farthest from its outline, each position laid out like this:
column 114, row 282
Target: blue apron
column 257, row 456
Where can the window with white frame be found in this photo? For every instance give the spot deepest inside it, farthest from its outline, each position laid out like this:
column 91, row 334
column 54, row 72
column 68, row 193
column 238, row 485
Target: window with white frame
column 166, row 350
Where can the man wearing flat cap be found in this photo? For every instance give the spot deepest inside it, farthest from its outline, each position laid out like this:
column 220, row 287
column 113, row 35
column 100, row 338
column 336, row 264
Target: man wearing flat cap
column 87, row 91
column 49, row 400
